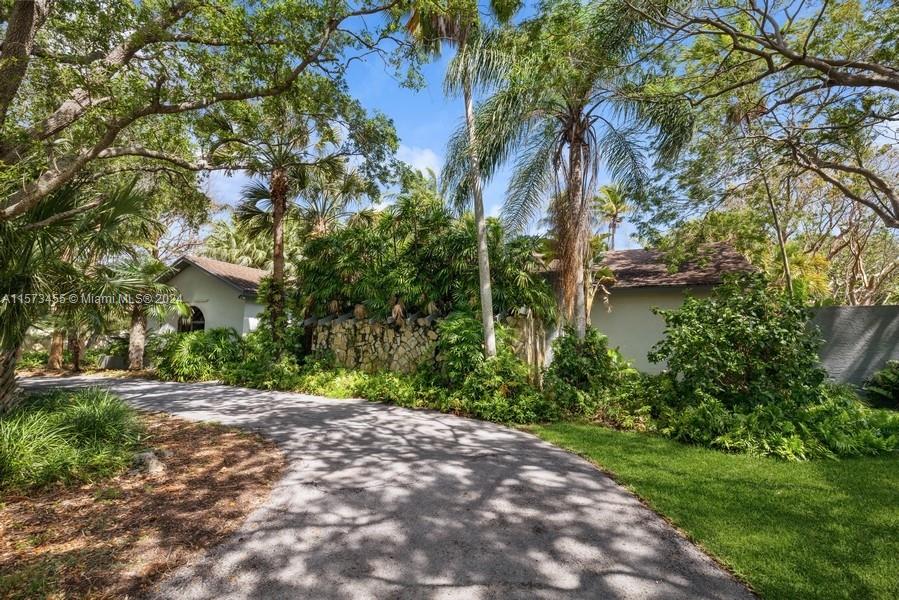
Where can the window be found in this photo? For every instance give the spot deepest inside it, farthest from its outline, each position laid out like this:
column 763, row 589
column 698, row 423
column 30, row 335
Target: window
column 195, row 322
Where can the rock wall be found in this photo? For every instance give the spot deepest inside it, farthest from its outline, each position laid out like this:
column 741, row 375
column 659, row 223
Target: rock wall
column 402, row 345
column 376, row 345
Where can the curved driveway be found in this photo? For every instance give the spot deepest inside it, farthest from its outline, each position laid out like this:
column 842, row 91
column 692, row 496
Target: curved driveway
column 384, row 502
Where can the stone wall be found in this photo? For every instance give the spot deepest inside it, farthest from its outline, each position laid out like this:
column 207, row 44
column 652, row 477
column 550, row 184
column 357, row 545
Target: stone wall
column 402, row 345
column 375, row 345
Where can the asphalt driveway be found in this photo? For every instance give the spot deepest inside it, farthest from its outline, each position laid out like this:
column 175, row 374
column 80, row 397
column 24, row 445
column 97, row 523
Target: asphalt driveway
column 384, row 502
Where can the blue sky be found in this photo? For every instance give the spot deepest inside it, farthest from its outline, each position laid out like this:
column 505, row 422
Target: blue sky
column 424, row 120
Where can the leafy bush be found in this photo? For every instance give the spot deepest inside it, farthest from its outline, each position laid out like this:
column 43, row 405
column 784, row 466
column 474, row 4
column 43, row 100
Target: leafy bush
column 745, row 345
column 66, row 436
column 744, row 376
column 883, row 387
column 583, row 372
column 33, row 359
column 197, row 355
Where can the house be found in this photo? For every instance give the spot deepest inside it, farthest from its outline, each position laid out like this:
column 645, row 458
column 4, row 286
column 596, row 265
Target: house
column 219, row 294
column 643, row 281
column 222, row 294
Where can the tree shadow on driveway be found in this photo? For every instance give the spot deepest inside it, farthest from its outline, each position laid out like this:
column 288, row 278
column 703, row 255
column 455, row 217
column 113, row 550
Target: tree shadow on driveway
column 385, row 502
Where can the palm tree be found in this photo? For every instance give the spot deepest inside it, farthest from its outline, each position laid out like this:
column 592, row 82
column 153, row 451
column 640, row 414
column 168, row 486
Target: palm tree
column 33, row 252
column 431, row 28
column 232, row 243
column 563, row 111
column 315, row 205
column 140, row 277
column 611, row 205
column 121, row 225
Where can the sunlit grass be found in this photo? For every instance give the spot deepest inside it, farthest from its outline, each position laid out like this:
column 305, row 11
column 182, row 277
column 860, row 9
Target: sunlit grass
column 819, row 529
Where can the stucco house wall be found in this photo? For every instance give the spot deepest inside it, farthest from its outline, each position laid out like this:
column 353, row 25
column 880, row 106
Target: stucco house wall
column 220, row 303
column 629, row 323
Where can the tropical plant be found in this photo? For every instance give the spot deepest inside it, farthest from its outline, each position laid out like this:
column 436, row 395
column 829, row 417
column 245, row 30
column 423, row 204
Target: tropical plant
column 149, row 297
column 745, row 345
column 196, row 355
column 52, row 257
column 582, row 373
column 415, row 257
column 297, row 148
column 66, row 436
column 230, row 242
column 611, row 204
column 460, row 26
column 563, row 110
column 882, row 388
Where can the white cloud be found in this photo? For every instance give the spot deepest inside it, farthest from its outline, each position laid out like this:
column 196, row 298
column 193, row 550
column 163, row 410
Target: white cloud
column 420, row 158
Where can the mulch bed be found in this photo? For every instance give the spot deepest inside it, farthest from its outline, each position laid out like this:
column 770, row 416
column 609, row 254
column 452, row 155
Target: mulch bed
column 116, row 538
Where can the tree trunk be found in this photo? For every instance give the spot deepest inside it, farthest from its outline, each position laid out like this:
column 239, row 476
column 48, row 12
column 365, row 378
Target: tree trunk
column 778, row 230
column 9, row 391
column 276, row 292
column 75, row 349
column 24, row 20
column 486, row 292
column 574, row 251
column 57, row 342
column 137, row 338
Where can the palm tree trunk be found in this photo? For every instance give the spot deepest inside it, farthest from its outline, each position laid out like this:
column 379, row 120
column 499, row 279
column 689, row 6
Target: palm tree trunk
column 276, row 292
column 8, row 389
column 486, row 292
column 75, row 349
column 575, row 253
column 137, row 338
column 57, row 341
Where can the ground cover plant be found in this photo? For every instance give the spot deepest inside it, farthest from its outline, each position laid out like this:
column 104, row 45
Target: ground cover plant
column 814, row 529
column 883, row 387
column 66, row 436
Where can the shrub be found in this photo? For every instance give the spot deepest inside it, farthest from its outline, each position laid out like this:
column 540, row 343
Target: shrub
column 883, row 387
column 33, row 359
column 197, row 355
column 583, row 372
column 744, row 376
column 745, row 345
column 66, row 436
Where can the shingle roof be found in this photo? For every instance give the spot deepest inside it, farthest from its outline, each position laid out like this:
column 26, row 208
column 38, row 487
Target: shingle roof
column 648, row 268
column 244, row 279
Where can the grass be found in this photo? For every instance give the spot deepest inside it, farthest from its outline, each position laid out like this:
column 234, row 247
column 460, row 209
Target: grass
column 66, row 436
column 818, row 529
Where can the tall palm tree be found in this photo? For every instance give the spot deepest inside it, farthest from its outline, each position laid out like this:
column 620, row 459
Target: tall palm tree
column 432, row 28
column 563, row 111
column 611, row 205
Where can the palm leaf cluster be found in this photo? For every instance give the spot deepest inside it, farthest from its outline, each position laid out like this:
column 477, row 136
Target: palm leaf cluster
column 415, row 256
column 564, row 114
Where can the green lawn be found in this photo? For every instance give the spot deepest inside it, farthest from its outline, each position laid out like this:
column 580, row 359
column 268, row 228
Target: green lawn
column 820, row 529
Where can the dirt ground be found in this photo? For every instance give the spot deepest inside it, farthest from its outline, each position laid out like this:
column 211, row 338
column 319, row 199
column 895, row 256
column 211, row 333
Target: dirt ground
column 116, row 538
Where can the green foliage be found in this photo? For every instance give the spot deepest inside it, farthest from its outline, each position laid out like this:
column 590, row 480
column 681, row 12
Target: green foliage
column 33, row 359
column 197, row 355
column 415, row 256
column 793, row 530
column 744, row 345
column 744, row 376
column 66, row 436
column 582, row 373
column 883, row 387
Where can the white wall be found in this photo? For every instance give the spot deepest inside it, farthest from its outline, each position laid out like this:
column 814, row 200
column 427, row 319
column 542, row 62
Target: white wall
column 630, row 324
column 221, row 303
column 251, row 316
